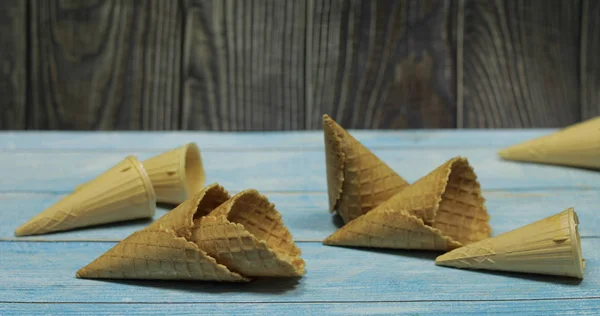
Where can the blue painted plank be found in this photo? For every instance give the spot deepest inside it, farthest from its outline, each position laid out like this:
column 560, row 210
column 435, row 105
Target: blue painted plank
column 252, row 140
column 544, row 307
column 45, row 272
column 307, row 217
column 284, row 170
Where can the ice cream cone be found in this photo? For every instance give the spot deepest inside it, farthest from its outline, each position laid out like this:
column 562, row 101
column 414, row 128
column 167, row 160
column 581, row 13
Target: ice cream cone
column 163, row 250
column 549, row 246
column 577, row 145
column 122, row 193
column 247, row 235
column 441, row 211
column 208, row 237
column 357, row 180
column 176, row 174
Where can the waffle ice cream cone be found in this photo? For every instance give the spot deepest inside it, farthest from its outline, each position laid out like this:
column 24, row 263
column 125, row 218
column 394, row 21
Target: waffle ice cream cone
column 577, row 145
column 441, row 211
column 357, row 180
column 208, row 237
column 122, row 193
column 176, row 174
column 549, row 246
column 247, row 235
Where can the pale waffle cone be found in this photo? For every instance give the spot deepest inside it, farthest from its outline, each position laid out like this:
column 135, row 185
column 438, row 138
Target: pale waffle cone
column 357, row 180
column 163, row 250
column 577, row 145
column 441, row 211
column 122, row 193
column 549, row 246
column 176, row 174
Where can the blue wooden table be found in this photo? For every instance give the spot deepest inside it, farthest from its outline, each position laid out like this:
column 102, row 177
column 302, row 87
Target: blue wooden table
column 37, row 274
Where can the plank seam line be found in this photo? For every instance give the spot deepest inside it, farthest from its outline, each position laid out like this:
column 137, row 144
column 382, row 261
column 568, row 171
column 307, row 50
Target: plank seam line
column 119, row 240
column 322, row 192
column 314, row 302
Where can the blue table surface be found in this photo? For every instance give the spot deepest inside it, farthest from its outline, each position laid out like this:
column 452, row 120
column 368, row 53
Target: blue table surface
column 37, row 274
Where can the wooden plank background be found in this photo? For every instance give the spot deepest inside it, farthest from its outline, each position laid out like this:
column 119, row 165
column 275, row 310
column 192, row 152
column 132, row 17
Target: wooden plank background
column 239, row 65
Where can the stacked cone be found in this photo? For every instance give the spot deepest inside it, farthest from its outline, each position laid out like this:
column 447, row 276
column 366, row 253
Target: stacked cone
column 577, row 146
column 357, row 180
column 212, row 237
column 122, row 193
column 550, row 246
column 127, row 191
column 441, row 211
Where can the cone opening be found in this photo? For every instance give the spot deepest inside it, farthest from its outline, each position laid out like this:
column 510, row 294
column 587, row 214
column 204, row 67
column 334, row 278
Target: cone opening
column 461, row 213
column 576, row 240
column 214, row 196
column 260, row 218
column 194, row 172
column 335, row 158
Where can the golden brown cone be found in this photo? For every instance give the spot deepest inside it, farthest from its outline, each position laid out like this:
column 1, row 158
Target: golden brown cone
column 163, row 250
column 123, row 192
column 357, row 180
column 247, row 235
column 549, row 246
column 176, row 174
column 217, row 237
column 577, row 145
column 441, row 211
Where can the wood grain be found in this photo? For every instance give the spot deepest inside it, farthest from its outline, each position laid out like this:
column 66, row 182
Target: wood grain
column 380, row 64
column 244, row 65
column 13, row 63
column 105, row 64
column 516, row 307
column 590, row 63
column 285, row 170
column 334, row 274
column 520, row 63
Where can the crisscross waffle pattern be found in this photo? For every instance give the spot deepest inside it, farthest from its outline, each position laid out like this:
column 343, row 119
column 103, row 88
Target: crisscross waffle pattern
column 445, row 204
column 246, row 239
column 357, row 180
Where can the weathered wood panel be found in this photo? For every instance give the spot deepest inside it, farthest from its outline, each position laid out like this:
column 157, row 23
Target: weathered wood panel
column 520, row 63
column 380, row 64
column 105, row 64
column 590, row 63
column 13, row 60
column 244, row 65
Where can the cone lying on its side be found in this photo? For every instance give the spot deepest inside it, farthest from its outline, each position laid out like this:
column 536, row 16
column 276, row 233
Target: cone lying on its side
column 549, row 246
column 577, row 145
column 357, row 180
column 122, row 193
column 176, row 174
column 208, row 237
column 441, row 211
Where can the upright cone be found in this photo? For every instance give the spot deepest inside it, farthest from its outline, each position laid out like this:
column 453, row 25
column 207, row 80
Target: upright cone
column 176, row 174
column 208, row 237
column 577, row 145
column 122, row 193
column 549, row 246
column 441, row 211
column 357, row 180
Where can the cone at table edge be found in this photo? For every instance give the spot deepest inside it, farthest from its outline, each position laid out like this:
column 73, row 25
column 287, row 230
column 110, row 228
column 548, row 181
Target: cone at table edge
column 121, row 193
column 577, row 145
column 345, row 178
column 176, row 174
column 549, row 246
column 163, row 250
